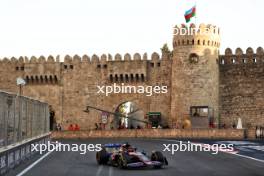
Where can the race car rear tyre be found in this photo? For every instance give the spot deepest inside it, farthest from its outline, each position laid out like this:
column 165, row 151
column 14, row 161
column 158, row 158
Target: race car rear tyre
column 158, row 156
column 102, row 157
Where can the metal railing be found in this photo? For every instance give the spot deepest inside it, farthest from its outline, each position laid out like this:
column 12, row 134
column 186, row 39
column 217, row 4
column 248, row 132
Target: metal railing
column 21, row 118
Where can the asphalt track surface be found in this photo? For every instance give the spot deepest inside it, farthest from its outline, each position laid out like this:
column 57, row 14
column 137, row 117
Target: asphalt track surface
column 181, row 163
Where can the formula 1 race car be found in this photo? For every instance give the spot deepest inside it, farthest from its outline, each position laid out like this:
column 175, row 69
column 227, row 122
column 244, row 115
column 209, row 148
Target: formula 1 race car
column 126, row 156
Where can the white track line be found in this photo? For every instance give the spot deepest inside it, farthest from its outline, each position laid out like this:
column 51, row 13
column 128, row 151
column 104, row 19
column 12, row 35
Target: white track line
column 110, row 171
column 33, row 164
column 248, row 157
column 99, row 170
column 244, row 156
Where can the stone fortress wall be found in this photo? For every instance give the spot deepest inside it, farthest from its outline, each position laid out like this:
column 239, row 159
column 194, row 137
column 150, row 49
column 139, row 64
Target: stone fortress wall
column 242, row 86
column 232, row 88
column 71, row 85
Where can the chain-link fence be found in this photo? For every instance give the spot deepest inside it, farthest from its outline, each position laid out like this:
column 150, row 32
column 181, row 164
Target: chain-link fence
column 21, row 118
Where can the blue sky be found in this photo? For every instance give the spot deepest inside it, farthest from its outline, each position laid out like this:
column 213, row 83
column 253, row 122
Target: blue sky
column 44, row 27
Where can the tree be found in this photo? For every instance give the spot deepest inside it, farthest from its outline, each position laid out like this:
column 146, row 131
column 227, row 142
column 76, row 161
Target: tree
column 165, row 50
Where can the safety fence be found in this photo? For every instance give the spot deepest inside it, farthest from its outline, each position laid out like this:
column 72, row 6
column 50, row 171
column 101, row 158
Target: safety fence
column 13, row 155
column 22, row 121
column 21, row 118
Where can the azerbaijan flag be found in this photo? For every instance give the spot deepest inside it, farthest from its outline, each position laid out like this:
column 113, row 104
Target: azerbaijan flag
column 189, row 14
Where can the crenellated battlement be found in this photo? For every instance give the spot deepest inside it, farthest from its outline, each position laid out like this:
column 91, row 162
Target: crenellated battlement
column 81, row 59
column 109, row 58
column 49, row 70
column 204, row 35
column 32, row 59
column 239, row 57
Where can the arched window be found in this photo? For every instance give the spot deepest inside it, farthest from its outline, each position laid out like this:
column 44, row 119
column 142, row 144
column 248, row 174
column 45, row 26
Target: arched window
column 137, row 77
column 41, row 79
column 46, row 79
column 142, row 77
column 121, row 78
column 27, row 79
column 32, row 79
column 111, row 78
column 131, row 77
column 36, row 78
column 193, row 58
column 126, row 77
column 51, row 79
column 55, row 79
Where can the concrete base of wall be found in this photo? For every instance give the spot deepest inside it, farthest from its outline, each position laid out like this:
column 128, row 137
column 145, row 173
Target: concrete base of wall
column 227, row 134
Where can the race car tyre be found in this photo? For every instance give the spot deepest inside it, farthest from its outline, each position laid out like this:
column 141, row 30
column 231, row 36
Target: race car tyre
column 102, row 157
column 158, row 156
column 121, row 162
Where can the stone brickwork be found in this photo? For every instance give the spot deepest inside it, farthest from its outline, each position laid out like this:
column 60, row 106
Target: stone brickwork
column 242, row 87
column 71, row 85
column 195, row 74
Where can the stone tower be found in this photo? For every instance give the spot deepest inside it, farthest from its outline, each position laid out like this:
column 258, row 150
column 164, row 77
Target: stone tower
column 195, row 74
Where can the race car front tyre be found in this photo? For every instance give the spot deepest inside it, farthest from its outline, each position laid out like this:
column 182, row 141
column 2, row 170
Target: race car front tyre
column 158, row 156
column 122, row 162
column 102, row 157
